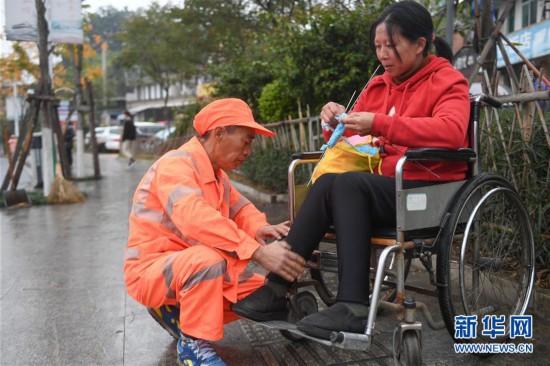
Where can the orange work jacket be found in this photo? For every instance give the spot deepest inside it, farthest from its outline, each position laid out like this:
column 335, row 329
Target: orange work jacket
column 180, row 202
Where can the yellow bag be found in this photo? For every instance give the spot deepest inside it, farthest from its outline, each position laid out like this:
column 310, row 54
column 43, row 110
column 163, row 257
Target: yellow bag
column 342, row 158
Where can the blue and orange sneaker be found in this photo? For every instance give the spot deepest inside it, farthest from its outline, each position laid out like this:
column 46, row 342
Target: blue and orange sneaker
column 197, row 352
column 168, row 317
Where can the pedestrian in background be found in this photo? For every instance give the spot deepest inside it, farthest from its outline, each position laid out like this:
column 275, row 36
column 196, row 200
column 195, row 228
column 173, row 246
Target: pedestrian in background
column 68, row 138
column 128, row 137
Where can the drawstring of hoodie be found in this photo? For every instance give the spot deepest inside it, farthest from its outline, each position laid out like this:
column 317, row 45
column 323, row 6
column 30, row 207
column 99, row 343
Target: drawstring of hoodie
column 404, row 97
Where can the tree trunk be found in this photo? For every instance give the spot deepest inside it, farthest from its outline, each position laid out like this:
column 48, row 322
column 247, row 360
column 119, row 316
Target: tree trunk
column 97, row 173
column 165, row 109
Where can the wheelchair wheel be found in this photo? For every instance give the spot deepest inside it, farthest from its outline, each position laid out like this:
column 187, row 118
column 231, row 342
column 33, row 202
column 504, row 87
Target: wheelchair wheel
column 303, row 304
column 410, row 351
column 328, row 279
column 485, row 264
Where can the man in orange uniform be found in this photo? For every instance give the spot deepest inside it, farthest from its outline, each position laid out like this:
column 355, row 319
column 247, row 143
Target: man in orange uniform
column 192, row 234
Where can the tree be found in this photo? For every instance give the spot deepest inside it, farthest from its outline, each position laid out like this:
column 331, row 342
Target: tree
column 107, row 23
column 151, row 46
column 19, row 66
column 320, row 54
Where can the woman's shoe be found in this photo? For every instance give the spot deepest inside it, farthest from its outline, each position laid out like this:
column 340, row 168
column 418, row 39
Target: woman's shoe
column 337, row 318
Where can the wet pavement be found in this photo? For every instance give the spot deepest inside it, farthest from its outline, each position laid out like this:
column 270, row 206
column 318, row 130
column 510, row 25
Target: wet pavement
column 63, row 301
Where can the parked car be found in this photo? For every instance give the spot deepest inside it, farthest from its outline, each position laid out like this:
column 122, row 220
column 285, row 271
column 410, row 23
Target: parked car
column 165, row 133
column 108, row 138
column 148, row 129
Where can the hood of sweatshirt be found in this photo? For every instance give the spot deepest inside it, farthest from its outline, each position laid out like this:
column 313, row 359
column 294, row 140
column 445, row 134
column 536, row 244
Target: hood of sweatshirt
column 410, row 85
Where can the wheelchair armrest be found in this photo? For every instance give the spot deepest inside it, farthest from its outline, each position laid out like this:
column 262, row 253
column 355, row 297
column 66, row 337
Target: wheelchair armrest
column 307, row 155
column 434, row 154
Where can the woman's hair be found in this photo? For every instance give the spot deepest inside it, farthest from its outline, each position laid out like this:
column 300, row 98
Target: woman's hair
column 412, row 21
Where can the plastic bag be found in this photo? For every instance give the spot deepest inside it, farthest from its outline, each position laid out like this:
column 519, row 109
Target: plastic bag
column 344, row 157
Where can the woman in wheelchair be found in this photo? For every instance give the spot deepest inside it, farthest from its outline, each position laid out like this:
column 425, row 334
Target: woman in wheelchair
column 419, row 101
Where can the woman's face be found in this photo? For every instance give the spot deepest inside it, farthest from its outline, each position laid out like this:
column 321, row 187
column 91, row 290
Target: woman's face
column 402, row 58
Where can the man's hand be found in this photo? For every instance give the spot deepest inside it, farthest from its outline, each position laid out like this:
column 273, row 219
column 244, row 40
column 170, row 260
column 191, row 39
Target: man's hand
column 272, row 231
column 278, row 258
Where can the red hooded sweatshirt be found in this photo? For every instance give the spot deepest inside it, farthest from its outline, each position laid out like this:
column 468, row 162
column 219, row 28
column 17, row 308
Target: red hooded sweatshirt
column 431, row 109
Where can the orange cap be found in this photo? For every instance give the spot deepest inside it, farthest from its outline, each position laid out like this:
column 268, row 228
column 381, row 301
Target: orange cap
column 227, row 112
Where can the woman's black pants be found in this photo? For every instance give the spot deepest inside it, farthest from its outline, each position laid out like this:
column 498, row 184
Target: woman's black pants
column 353, row 203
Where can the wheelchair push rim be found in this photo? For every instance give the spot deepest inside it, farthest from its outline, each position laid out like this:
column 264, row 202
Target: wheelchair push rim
column 486, row 257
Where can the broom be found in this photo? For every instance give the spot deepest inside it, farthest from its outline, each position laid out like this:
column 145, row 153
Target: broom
column 62, row 190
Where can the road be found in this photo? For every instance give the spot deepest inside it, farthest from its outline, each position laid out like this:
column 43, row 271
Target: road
column 63, row 300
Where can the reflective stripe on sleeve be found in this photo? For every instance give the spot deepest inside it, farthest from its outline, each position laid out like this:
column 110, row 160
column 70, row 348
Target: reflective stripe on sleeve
column 161, row 218
column 178, row 193
column 236, row 207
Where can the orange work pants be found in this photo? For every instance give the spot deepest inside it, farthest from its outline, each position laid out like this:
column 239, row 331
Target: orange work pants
column 194, row 278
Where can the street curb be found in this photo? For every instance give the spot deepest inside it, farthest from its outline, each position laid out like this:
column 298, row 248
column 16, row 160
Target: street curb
column 259, row 195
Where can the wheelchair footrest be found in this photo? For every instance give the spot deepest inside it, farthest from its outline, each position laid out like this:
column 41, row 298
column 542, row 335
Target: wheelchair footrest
column 352, row 341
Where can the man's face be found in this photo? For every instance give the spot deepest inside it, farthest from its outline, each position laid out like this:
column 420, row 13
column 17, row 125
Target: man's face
column 233, row 147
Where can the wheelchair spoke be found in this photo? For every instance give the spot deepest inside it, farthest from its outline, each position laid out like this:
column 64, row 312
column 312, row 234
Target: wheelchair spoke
column 487, row 253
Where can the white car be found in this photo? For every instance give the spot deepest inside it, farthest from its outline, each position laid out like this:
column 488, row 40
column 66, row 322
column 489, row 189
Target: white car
column 108, row 138
column 165, row 133
column 148, row 129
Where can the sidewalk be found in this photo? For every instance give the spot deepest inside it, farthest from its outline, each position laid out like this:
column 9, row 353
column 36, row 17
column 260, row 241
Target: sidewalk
column 63, row 301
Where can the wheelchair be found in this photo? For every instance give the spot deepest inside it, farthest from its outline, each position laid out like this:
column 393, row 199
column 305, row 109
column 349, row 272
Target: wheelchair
column 478, row 229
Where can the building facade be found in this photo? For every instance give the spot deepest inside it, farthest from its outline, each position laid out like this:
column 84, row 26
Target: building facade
column 528, row 27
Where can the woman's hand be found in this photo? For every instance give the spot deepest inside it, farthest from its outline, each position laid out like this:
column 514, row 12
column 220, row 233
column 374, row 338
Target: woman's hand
column 330, row 111
column 272, row 231
column 359, row 122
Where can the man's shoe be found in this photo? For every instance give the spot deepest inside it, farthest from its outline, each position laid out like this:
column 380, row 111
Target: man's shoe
column 131, row 161
column 197, row 352
column 262, row 305
column 336, row 318
column 168, row 317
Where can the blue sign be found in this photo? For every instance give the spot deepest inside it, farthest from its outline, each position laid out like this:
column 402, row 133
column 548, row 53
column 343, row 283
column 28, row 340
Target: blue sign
column 532, row 42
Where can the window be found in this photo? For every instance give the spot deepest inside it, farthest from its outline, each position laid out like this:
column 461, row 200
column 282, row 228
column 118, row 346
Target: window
column 529, row 12
column 512, row 19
